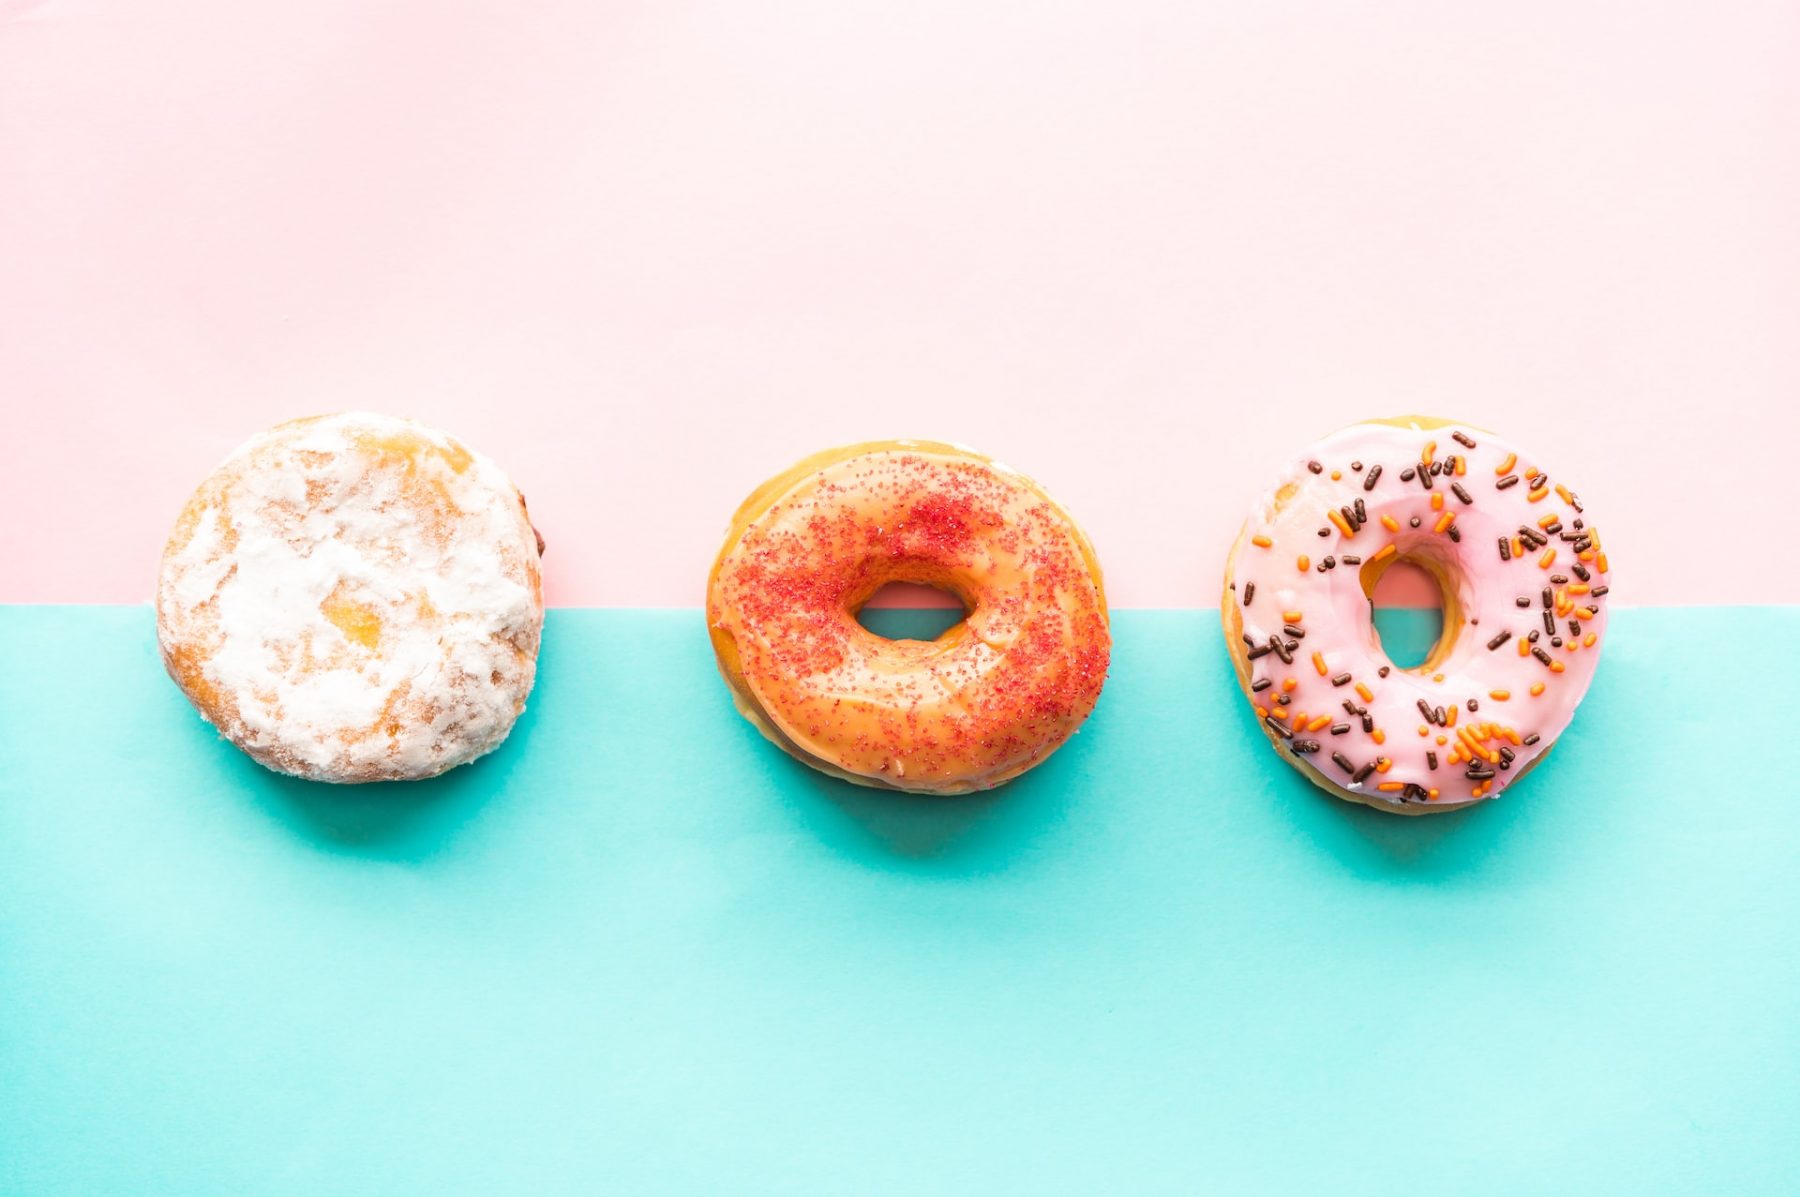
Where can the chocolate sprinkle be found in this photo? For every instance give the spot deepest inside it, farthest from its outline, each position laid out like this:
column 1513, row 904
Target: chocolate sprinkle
column 1249, row 592
column 1456, row 488
column 1369, row 478
column 1462, row 440
column 1509, row 480
column 1343, row 762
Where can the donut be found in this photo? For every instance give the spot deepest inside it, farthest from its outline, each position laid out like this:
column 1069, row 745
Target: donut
column 353, row 598
column 985, row 701
column 1523, row 578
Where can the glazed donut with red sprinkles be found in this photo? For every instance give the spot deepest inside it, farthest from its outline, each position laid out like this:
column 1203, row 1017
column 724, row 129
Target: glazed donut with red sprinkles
column 1524, row 580
column 981, row 704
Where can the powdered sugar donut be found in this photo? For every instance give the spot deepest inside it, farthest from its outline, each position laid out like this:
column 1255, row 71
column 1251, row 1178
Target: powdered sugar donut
column 354, row 598
column 1523, row 578
column 979, row 705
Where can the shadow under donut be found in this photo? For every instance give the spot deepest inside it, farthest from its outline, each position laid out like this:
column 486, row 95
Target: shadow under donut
column 400, row 821
column 956, row 834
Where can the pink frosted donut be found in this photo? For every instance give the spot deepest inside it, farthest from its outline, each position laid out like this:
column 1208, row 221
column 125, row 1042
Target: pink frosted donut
column 1523, row 579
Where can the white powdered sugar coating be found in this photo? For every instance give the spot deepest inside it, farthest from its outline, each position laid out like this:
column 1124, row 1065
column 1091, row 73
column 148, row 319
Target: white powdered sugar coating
column 354, row 597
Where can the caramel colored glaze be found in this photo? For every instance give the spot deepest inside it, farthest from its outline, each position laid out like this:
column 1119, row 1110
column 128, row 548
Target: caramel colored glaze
column 970, row 710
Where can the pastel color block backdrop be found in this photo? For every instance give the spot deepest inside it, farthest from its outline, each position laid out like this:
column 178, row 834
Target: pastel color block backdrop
column 645, row 255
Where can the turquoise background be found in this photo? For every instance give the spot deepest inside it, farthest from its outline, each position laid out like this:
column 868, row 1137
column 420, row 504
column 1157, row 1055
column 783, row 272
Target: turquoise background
column 639, row 950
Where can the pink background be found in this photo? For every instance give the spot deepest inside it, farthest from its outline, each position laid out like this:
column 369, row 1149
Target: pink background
column 647, row 254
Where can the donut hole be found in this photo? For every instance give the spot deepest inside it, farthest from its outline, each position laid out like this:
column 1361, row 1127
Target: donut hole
column 1406, row 605
column 911, row 611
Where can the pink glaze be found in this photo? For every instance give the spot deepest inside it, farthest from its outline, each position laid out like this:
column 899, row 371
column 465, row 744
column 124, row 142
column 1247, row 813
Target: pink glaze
column 1486, row 691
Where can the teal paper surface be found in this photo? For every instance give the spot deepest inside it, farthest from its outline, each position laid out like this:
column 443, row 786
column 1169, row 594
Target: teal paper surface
column 639, row 950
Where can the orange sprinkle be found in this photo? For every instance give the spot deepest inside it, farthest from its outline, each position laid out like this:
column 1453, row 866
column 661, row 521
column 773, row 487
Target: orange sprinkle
column 1585, row 555
column 1444, row 521
column 1437, row 500
column 1516, row 549
column 1450, row 717
column 1556, row 667
column 1337, row 475
column 1304, row 563
column 1537, row 688
column 1297, row 718
column 1379, row 736
column 1320, row 723
column 1261, row 542
column 1382, row 765
column 1588, row 640
column 1537, row 494
column 1462, row 464
column 1594, row 535
column 1562, row 492
column 1390, row 523
column 1363, row 693
column 1319, row 662
column 1261, row 711
column 1391, row 786
column 1543, row 562
column 1384, row 552
column 1583, row 613
column 1430, row 448
column 1442, row 740
column 1505, row 467
column 1437, row 677
column 1423, row 730
column 1531, row 472
column 1524, row 647
column 1549, row 519
column 1601, row 562
column 1343, row 525
column 1432, row 793
column 1512, row 735
column 1290, row 617
column 1578, row 588
column 1288, row 684
column 1499, row 695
